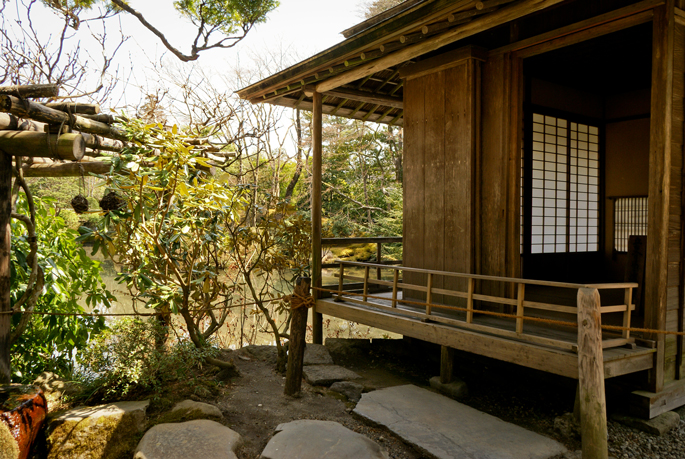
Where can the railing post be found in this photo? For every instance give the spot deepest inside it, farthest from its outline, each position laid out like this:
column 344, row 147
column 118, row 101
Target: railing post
column 469, row 301
column 429, row 294
column 519, row 308
column 366, row 283
column 593, row 416
column 626, row 314
column 341, row 280
column 395, row 277
column 379, row 260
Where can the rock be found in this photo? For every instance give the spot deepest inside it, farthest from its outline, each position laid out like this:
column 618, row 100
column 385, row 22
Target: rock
column 317, row 354
column 22, row 412
column 344, row 348
column 51, row 384
column 325, row 375
column 105, row 431
column 659, row 425
column 456, row 389
column 198, row 439
column 204, row 408
column 308, row 439
column 349, row 389
column 268, row 354
column 567, row 426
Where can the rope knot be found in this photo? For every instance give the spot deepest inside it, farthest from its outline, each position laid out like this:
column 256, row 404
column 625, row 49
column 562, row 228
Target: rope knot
column 299, row 301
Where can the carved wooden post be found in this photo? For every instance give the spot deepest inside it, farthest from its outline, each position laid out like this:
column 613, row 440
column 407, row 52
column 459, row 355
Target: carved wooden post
column 593, row 414
column 298, row 332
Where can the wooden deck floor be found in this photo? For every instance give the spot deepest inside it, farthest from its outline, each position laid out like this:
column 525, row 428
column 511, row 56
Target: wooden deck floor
column 552, row 359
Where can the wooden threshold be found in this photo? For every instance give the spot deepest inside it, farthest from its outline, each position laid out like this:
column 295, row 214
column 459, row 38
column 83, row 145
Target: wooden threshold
column 617, row 361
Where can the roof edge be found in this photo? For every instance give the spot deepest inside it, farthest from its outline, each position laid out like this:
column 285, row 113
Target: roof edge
column 380, row 17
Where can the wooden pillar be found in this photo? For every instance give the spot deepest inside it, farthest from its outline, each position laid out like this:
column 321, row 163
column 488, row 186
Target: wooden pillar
column 660, row 155
column 5, row 241
column 298, row 332
column 317, row 152
column 593, row 414
column 446, row 365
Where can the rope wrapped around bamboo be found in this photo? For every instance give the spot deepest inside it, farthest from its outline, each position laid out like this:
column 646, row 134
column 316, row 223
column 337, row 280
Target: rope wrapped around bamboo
column 297, row 301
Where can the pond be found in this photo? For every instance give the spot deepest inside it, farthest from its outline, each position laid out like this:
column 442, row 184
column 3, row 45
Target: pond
column 245, row 325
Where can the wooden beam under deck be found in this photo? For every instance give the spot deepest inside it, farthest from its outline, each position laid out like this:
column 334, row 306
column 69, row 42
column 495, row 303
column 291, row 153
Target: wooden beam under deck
column 617, row 361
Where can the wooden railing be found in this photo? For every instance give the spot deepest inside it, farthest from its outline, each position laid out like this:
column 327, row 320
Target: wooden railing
column 471, row 297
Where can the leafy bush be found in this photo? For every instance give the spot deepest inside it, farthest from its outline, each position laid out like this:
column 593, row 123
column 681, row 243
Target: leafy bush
column 127, row 359
column 50, row 341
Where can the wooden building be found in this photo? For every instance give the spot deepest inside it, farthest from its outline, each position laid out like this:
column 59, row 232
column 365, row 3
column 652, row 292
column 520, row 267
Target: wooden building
column 540, row 135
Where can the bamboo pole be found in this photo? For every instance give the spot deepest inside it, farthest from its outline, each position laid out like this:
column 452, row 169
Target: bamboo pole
column 31, row 90
column 12, row 123
column 5, row 255
column 38, row 112
column 317, row 120
column 74, row 107
column 70, row 147
column 296, row 346
column 593, row 416
column 66, row 169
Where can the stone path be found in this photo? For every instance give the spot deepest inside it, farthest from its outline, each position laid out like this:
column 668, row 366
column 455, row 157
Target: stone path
column 448, row 429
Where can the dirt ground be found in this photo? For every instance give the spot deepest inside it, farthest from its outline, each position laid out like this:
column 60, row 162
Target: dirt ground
column 254, row 404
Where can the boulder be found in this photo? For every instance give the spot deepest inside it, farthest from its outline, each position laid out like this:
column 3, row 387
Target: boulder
column 268, row 354
column 105, row 431
column 659, row 425
column 345, row 348
column 349, row 389
column 205, row 409
column 325, row 375
column 308, row 439
column 567, row 426
column 317, row 354
column 22, row 412
column 456, row 389
column 198, row 439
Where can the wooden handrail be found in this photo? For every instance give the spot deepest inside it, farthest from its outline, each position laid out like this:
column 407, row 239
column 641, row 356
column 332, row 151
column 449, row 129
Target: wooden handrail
column 343, row 241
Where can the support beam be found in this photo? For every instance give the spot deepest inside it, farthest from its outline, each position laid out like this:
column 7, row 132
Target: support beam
column 31, row 90
column 66, row 169
column 69, row 147
column 38, row 112
column 446, row 364
column 5, row 255
column 366, row 96
column 489, row 21
column 317, row 152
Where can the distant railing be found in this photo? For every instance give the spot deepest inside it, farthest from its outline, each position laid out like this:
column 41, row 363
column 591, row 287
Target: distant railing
column 469, row 294
column 379, row 241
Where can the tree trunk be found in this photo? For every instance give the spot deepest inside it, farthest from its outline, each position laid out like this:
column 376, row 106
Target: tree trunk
column 5, row 256
column 298, row 332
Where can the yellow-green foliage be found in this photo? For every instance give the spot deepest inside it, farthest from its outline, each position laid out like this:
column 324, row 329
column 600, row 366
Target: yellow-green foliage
column 355, row 252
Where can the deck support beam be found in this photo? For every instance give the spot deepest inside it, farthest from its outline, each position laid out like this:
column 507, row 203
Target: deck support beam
column 446, row 365
column 317, row 153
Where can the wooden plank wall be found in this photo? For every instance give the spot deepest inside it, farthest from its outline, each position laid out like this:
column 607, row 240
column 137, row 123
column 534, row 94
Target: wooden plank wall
column 441, row 149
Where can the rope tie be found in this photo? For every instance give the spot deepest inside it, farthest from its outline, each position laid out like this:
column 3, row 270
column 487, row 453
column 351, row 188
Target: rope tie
column 298, row 301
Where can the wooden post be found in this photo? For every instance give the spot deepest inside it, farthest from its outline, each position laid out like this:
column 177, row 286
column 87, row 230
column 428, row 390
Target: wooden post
column 429, row 293
column 593, row 415
column 341, row 282
column 519, row 308
column 469, row 301
column 395, row 278
column 317, row 152
column 626, row 314
column 379, row 255
column 446, row 365
column 5, row 255
column 366, row 283
column 298, row 332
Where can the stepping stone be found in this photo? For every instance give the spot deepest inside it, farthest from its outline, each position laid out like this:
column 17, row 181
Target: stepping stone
column 317, row 354
column 105, row 431
column 199, row 439
column 325, row 375
column 204, row 408
column 308, row 439
column 447, row 429
column 349, row 389
column 659, row 425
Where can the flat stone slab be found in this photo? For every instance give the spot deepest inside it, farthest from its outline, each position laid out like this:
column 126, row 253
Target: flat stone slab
column 308, row 439
column 325, row 375
column 199, row 439
column 447, row 429
column 317, row 354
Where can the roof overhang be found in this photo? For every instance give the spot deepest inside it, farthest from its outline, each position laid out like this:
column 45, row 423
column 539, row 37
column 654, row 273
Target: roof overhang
column 360, row 77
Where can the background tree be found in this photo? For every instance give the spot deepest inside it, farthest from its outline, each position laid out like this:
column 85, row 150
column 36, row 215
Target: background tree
column 371, row 8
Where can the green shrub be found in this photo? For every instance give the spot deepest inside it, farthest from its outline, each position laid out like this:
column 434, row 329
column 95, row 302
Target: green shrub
column 128, row 359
